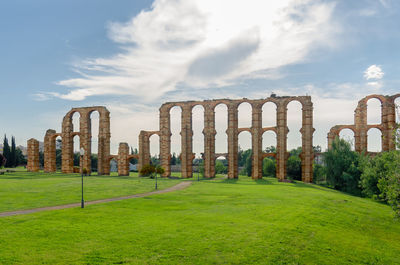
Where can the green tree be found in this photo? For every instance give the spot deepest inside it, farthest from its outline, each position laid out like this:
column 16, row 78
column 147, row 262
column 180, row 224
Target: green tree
column 6, row 151
column 293, row 165
column 270, row 149
column 173, row 159
column 134, row 152
column 248, row 164
column 269, row 167
column 343, row 167
column 2, row 161
column 20, row 158
column 13, row 157
column 219, row 167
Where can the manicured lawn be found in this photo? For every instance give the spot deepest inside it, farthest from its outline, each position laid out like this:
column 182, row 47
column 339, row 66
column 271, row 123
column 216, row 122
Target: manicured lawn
column 25, row 190
column 211, row 222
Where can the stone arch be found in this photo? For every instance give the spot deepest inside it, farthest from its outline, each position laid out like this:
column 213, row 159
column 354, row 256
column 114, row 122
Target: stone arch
column 115, row 159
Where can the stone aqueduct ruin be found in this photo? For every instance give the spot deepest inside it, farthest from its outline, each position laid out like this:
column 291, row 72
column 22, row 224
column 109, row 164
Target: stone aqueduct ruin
column 360, row 129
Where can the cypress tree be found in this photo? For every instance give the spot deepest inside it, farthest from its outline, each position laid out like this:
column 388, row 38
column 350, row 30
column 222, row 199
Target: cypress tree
column 13, row 153
column 6, row 151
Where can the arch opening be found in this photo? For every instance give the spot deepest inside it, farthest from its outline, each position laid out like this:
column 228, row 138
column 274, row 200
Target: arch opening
column 269, row 142
column 175, row 120
column 75, row 119
column 294, row 123
column 76, row 149
column 244, row 153
column 374, row 140
column 197, row 127
column 269, row 114
column 221, row 125
column 155, row 149
column 347, row 135
column 58, row 141
column 244, row 115
column 374, row 111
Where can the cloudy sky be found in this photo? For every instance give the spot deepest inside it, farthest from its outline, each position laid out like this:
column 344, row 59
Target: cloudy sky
column 132, row 56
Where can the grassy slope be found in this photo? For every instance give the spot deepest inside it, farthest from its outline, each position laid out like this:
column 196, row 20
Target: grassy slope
column 230, row 222
column 25, row 190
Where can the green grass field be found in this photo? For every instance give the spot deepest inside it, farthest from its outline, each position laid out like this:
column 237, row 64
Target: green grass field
column 25, row 190
column 210, row 222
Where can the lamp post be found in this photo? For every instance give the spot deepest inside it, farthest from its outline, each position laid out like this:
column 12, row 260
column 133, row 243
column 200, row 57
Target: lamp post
column 198, row 170
column 82, row 153
column 156, row 179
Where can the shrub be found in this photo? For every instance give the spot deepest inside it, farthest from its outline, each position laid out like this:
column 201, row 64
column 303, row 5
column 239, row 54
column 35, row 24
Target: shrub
column 219, row 167
column 159, row 170
column 294, row 167
column 269, row 167
column 389, row 183
column 319, row 174
column 147, row 171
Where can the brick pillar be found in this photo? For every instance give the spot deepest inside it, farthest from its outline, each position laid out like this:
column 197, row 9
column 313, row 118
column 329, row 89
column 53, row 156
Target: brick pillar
column 103, row 164
column 165, row 140
column 256, row 140
column 281, row 142
column 50, row 151
column 123, row 161
column 361, row 132
column 331, row 136
column 389, row 124
column 85, row 140
column 307, row 154
column 209, row 141
column 232, row 132
column 144, row 150
column 67, row 163
column 186, row 142
column 33, row 156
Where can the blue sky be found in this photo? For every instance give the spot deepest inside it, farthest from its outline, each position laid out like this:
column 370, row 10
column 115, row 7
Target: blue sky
column 132, row 56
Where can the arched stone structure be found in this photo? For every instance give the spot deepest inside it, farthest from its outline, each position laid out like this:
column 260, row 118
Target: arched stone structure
column 144, row 148
column 67, row 134
column 256, row 131
column 361, row 126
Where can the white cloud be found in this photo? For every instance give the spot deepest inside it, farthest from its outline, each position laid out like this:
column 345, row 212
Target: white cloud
column 373, row 72
column 203, row 44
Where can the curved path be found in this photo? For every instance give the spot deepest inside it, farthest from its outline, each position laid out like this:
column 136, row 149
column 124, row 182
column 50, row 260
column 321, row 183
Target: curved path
column 179, row 186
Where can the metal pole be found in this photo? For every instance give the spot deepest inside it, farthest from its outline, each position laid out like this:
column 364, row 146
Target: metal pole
column 82, row 201
column 156, row 180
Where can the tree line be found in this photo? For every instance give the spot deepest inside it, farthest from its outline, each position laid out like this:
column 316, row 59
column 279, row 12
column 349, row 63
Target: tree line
column 12, row 155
